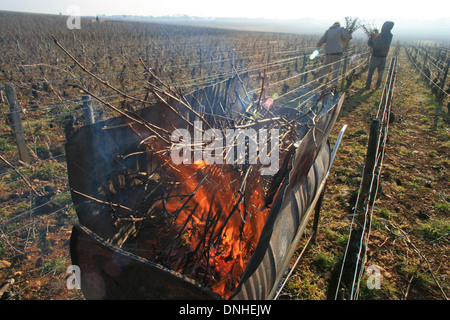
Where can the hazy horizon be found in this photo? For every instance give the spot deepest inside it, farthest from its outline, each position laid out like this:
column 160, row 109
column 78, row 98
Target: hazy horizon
column 411, row 22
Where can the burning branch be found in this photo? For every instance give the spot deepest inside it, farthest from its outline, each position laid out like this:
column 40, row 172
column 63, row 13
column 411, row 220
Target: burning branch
column 202, row 220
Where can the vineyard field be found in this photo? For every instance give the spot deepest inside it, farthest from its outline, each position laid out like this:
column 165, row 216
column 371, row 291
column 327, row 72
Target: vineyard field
column 53, row 70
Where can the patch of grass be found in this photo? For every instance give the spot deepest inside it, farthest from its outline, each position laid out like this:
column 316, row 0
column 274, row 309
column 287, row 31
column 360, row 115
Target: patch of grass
column 44, row 239
column 377, row 223
column 399, row 190
column 3, row 249
column 72, row 217
column 337, row 237
column 324, row 261
column 444, row 135
column 432, row 106
column 42, row 152
column 434, row 230
column 3, row 213
column 383, row 213
column 53, row 266
column 425, row 280
column 416, row 183
column 404, row 151
column 425, row 121
column 62, row 198
column 14, row 179
column 443, row 207
column 5, row 146
column 386, row 291
column 432, row 153
column 48, row 172
column 343, row 174
column 304, row 285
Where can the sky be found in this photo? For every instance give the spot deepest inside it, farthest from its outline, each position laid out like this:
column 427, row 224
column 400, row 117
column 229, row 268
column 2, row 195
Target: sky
column 276, row 9
column 410, row 16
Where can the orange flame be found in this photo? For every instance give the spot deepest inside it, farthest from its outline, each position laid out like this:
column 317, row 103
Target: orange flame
column 220, row 226
column 238, row 222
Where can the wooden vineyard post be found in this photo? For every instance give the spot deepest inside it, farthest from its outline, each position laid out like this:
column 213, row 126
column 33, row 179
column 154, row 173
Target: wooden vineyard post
column 233, row 53
column 87, row 109
column 16, row 123
column 355, row 256
column 304, row 77
column 201, row 62
column 425, row 64
column 440, row 97
column 343, row 72
column 445, row 78
column 371, row 159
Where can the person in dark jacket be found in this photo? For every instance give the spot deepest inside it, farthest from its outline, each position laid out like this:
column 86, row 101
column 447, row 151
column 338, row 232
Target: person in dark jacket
column 380, row 45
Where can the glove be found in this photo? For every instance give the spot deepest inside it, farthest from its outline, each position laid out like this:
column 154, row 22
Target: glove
column 314, row 54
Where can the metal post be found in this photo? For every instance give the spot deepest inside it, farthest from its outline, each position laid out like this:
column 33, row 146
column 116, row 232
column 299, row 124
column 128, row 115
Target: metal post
column 16, row 123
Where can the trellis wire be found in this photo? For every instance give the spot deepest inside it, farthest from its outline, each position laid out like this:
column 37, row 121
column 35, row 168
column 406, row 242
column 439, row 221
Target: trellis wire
column 363, row 242
column 436, row 84
column 273, row 64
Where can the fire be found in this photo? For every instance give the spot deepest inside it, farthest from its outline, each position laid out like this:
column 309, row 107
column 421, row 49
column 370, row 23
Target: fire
column 220, row 225
column 215, row 215
column 200, row 164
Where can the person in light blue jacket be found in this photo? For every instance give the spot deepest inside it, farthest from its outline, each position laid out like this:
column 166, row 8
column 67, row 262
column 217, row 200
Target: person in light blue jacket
column 335, row 39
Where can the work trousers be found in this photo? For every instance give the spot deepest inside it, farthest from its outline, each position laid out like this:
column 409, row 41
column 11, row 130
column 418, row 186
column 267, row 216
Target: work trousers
column 332, row 61
column 378, row 63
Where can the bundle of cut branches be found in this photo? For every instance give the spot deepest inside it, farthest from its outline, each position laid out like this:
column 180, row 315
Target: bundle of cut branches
column 369, row 29
column 351, row 24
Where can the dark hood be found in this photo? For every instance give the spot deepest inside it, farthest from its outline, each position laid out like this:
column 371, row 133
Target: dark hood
column 387, row 26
